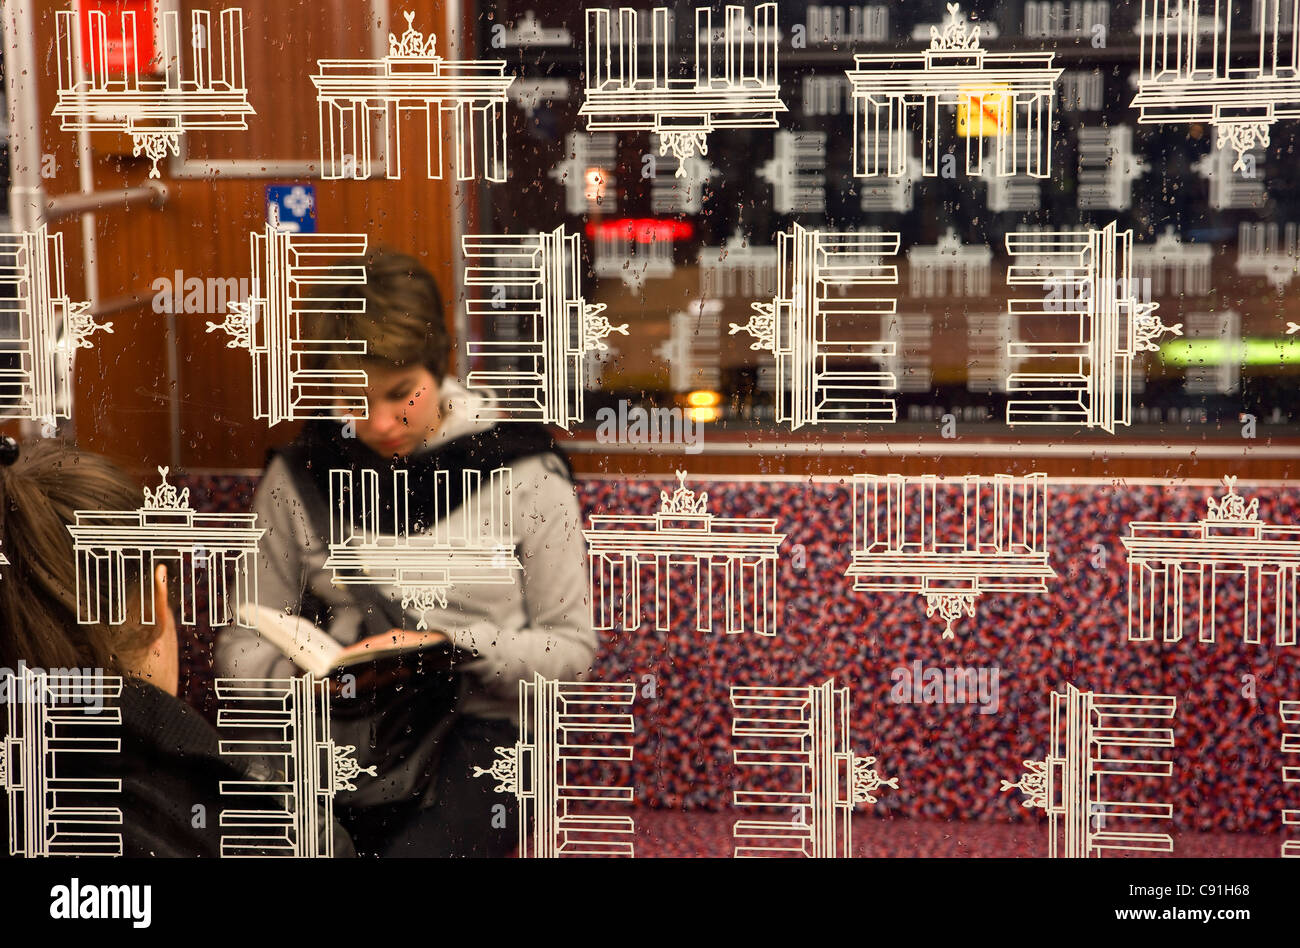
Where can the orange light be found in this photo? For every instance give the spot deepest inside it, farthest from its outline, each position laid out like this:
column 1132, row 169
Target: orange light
column 703, row 398
column 595, row 184
column 982, row 111
column 702, row 414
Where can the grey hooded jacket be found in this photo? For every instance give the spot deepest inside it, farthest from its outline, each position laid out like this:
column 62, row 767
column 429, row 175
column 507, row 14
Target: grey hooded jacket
column 540, row 624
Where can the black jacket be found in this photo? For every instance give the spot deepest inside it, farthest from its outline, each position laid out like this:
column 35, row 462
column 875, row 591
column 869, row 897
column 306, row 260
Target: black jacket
column 171, row 771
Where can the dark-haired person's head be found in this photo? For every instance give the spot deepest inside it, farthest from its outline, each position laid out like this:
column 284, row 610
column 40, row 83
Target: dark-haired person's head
column 407, row 350
column 40, row 493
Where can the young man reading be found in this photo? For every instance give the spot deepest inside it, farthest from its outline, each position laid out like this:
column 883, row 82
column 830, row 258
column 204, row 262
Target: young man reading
column 421, row 421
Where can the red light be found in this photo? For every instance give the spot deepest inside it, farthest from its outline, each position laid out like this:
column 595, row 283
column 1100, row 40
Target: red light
column 119, row 52
column 642, row 230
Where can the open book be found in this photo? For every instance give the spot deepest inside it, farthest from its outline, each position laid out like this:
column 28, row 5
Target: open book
column 315, row 650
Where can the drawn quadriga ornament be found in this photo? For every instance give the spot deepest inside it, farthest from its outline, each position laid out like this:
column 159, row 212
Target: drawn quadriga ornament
column 801, row 735
column 684, row 536
column 157, row 111
column 355, row 94
column 734, row 85
column 1006, row 97
column 562, row 725
column 164, row 529
column 1100, row 752
column 1191, row 71
column 1179, row 568
column 997, row 541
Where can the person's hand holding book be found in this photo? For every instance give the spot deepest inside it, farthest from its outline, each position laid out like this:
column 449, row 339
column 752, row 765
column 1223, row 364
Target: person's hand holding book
column 393, row 639
column 382, row 675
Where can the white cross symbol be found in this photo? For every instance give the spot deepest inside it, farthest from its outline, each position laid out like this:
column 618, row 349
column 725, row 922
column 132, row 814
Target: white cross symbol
column 298, row 201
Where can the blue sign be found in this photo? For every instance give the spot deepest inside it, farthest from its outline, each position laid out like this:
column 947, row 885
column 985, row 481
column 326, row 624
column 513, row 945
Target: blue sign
column 295, row 204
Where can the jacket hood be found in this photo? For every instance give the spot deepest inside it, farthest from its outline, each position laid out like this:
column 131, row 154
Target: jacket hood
column 464, row 412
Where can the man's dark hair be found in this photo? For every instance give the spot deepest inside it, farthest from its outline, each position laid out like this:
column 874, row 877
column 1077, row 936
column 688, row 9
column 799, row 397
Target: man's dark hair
column 400, row 320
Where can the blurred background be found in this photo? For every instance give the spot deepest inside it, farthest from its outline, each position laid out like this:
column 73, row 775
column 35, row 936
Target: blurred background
column 680, row 258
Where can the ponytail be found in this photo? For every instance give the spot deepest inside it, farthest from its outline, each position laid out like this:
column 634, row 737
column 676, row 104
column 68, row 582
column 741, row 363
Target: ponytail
column 40, row 491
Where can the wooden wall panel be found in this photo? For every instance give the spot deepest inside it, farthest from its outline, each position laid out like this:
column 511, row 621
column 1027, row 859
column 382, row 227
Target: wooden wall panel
column 1108, row 461
column 282, row 41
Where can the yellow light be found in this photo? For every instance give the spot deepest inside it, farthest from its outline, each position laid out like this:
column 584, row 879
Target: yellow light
column 702, row 414
column 703, row 398
column 982, row 111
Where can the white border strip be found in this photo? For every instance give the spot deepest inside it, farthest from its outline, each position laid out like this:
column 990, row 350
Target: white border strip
column 844, row 479
column 1096, row 450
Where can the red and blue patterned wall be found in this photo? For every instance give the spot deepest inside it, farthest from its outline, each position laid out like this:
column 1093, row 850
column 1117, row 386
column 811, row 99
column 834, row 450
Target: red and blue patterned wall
column 949, row 758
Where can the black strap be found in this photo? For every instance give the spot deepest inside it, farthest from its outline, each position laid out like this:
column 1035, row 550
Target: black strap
column 321, row 448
